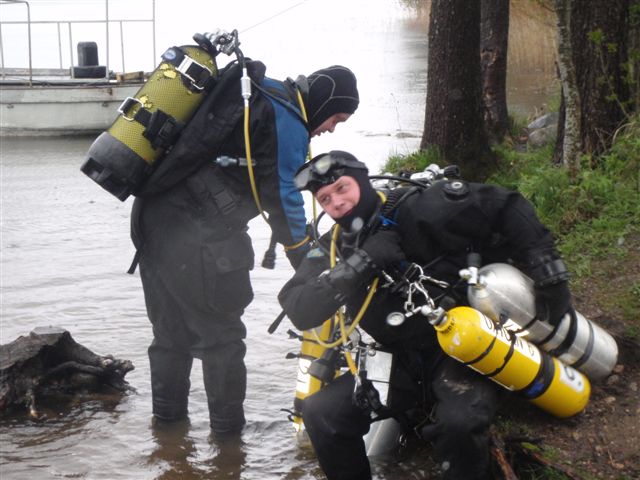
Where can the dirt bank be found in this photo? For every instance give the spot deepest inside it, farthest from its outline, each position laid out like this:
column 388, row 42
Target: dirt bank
column 603, row 441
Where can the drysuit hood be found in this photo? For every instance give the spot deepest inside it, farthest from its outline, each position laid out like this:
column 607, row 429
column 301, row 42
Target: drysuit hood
column 331, row 90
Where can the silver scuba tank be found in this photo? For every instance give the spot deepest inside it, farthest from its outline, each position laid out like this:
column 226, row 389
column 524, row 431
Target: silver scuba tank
column 501, row 291
column 384, row 435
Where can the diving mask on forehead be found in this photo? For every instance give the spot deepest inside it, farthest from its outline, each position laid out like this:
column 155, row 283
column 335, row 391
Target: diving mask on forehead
column 325, row 169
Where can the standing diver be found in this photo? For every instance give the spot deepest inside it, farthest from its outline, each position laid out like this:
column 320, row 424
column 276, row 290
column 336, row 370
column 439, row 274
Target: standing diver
column 194, row 251
column 436, row 228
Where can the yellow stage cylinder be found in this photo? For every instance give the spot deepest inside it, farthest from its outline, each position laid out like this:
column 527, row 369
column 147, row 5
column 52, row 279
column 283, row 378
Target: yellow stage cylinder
column 306, row 384
column 472, row 338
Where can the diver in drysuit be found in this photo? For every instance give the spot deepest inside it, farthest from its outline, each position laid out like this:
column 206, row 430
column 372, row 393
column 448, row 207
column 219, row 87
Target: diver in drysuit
column 436, row 228
column 194, row 251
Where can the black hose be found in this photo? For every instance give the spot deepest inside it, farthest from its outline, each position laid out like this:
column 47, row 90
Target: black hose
column 276, row 322
column 398, row 179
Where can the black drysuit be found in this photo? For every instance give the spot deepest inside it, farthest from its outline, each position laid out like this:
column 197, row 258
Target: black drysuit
column 195, row 257
column 438, row 227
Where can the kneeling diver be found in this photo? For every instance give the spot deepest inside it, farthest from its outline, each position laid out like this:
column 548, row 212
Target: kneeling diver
column 436, row 228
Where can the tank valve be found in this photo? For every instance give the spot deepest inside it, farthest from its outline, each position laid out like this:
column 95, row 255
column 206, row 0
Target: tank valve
column 470, row 274
column 436, row 316
column 225, row 42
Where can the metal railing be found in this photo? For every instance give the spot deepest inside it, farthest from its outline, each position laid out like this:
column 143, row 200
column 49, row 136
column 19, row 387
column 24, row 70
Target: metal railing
column 68, row 24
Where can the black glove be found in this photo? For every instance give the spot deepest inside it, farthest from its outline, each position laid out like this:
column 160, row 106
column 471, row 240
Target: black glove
column 348, row 276
column 552, row 302
column 378, row 251
column 383, row 248
column 366, row 396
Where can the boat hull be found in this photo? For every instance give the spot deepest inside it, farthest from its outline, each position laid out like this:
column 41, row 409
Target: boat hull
column 61, row 110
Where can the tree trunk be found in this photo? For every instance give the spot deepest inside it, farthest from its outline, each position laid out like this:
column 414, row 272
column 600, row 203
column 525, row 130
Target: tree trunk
column 494, row 36
column 593, row 47
column 634, row 53
column 557, row 153
column 599, row 35
column 453, row 117
column 570, row 144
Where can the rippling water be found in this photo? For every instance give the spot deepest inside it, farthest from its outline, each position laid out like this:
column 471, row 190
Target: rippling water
column 66, row 248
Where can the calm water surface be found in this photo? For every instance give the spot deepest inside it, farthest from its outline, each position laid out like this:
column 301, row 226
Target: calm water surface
column 66, row 248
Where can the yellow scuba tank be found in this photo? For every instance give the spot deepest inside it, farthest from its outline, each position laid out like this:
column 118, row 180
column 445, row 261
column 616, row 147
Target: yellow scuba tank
column 474, row 339
column 317, row 362
column 119, row 160
column 307, row 384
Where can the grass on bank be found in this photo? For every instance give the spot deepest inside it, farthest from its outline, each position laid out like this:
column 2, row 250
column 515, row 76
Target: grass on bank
column 595, row 216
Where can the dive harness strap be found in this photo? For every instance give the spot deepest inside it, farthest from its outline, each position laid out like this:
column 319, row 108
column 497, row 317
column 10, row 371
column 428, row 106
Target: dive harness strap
column 161, row 129
column 135, row 261
column 394, row 199
column 196, row 75
column 222, row 196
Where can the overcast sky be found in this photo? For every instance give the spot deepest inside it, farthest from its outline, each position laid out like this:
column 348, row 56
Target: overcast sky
column 304, row 30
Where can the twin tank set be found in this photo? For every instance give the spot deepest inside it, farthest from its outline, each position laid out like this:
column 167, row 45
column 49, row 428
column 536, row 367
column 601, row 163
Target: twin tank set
column 500, row 337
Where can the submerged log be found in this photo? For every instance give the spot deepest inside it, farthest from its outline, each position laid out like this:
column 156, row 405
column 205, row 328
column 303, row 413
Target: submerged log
column 50, row 362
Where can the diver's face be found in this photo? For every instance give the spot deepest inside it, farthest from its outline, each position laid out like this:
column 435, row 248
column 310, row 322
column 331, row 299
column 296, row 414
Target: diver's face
column 340, row 197
column 329, row 125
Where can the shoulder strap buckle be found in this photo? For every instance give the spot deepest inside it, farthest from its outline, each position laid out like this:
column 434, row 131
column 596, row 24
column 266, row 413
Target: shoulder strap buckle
column 125, row 107
column 195, row 72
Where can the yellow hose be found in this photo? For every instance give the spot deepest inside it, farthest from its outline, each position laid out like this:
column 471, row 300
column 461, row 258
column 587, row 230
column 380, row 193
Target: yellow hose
column 252, row 179
column 356, row 321
column 247, row 147
column 345, row 332
column 314, row 206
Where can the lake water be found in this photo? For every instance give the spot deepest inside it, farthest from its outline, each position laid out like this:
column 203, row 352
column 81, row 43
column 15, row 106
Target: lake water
column 66, row 248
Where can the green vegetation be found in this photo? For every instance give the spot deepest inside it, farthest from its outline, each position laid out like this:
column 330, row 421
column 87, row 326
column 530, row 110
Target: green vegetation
column 595, row 216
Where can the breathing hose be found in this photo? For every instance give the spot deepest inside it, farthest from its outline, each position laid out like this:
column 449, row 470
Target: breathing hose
column 309, row 154
column 303, row 110
column 245, row 88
